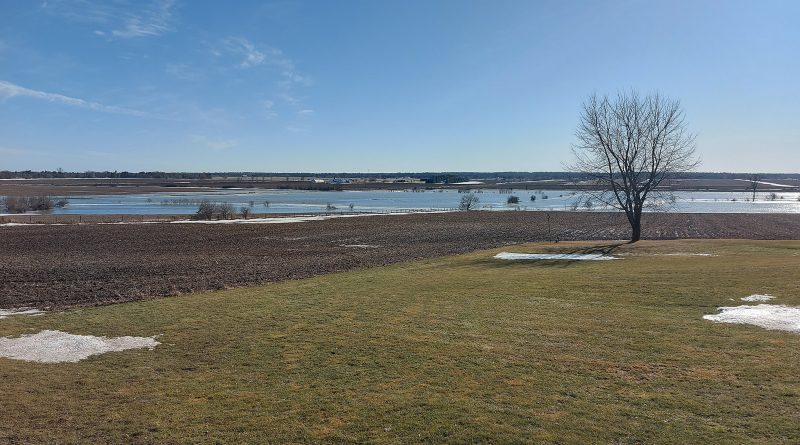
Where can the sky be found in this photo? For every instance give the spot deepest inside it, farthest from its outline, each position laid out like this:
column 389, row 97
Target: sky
column 383, row 86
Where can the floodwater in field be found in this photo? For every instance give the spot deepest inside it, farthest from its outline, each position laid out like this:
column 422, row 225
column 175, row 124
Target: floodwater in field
column 379, row 201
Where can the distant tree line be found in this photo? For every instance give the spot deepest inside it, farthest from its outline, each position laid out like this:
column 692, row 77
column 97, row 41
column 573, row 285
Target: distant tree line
column 56, row 174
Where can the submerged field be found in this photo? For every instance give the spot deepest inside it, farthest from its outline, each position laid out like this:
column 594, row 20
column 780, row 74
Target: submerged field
column 457, row 349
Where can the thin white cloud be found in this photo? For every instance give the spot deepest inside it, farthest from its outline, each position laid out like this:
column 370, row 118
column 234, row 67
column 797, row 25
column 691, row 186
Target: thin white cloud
column 269, row 109
column 288, row 98
column 215, row 144
column 120, row 18
column 242, row 54
column 245, row 50
column 151, row 20
column 249, row 55
column 9, row 90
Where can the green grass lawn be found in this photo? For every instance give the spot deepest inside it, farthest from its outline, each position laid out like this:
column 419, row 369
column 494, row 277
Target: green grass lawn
column 458, row 349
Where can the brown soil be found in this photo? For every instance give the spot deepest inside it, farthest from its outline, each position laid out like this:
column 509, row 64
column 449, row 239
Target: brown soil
column 49, row 266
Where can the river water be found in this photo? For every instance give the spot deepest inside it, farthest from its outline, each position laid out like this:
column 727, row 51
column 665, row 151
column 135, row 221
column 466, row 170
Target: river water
column 301, row 201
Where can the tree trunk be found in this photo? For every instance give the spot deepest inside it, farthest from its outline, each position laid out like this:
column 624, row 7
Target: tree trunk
column 636, row 226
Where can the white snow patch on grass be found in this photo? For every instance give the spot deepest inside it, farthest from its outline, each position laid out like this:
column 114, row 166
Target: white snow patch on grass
column 767, row 316
column 555, row 256
column 4, row 313
column 60, row 347
column 758, row 297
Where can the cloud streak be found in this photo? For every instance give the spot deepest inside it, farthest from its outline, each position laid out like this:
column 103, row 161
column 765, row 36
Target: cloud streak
column 123, row 19
column 153, row 20
column 10, row 90
column 215, row 144
column 250, row 55
column 239, row 53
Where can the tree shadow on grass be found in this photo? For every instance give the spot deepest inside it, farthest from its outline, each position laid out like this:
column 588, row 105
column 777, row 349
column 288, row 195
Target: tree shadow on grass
column 601, row 249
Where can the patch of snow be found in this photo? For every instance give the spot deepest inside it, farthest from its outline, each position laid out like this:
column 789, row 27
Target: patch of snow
column 767, row 316
column 129, row 222
column 12, row 224
column 468, row 183
column 767, row 183
column 4, row 313
column 293, row 219
column 271, row 220
column 60, row 347
column 758, row 297
column 555, row 256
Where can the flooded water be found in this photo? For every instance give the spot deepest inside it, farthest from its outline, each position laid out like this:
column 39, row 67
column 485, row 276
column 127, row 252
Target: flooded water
column 301, row 201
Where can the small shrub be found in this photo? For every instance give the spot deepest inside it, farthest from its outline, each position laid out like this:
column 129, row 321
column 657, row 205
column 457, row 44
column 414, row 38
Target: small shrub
column 205, row 210
column 244, row 212
column 225, row 210
column 533, row 197
column 330, row 207
column 61, row 203
column 40, row 203
column 22, row 204
column 351, row 206
column 512, row 200
column 14, row 204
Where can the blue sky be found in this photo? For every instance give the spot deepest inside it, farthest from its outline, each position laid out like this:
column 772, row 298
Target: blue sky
column 183, row 85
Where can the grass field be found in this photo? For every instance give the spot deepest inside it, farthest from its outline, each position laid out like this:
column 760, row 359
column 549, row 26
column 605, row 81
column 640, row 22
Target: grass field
column 458, row 349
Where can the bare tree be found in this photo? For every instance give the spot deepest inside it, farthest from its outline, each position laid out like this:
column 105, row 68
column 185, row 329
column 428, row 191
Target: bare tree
column 225, row 210
column 627, row 147
column 754, row 181
column 468, row 202
column 205, row 210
